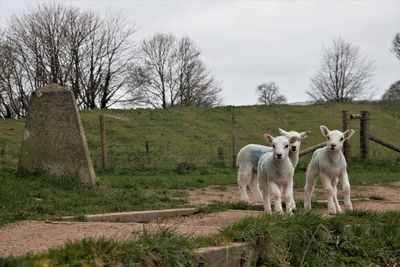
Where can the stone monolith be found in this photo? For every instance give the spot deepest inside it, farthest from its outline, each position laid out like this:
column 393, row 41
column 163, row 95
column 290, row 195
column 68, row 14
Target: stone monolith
column 54, row 142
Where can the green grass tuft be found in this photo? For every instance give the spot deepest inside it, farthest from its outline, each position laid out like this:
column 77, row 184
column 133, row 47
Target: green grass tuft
column 161, row 248
column 307, row 239
column 222, row 206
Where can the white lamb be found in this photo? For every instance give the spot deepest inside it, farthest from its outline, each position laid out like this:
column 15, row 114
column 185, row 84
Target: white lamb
column 330, row 164
column 247, row 162
column 275, row 171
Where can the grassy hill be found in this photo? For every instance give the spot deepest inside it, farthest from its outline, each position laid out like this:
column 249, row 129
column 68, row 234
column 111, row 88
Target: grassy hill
column 193, row 134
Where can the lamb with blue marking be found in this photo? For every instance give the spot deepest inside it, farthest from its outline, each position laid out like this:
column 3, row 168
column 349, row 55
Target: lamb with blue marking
column 249, row 156
column 275, row 174
column 330, row 164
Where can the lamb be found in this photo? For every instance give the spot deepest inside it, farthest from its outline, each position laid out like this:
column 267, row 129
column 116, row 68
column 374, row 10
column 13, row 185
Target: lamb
column 330, row 164
column 275, row 171
column 247, row 162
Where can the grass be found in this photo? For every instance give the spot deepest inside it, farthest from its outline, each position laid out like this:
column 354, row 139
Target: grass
column 161, row 248
column 191, row 135
column 222, row 206
column 376, row 197
column 171, row 179
column 304, row 239
column 32, row 197
column 307, row 239
column 183, row 147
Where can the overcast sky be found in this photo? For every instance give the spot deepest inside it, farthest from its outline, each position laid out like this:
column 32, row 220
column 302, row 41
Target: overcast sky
column 245, row 43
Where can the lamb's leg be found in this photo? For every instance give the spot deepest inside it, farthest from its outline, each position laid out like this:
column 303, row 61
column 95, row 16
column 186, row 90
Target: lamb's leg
column 276, row 195
column 282, row 189
column 344, row 179
column 334, row 182
column 266, row 194
column 326, row 182
column 254, row 186
column 311, row 178
column 288, row 196
column 244, row 176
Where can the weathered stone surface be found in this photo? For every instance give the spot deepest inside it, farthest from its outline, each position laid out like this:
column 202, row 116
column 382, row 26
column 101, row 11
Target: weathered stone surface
column 136, row 216
column 232, row 255
column 54, row 142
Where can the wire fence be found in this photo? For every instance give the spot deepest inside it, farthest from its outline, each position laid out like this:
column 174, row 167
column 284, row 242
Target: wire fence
column 161, row 157
column 129, row 155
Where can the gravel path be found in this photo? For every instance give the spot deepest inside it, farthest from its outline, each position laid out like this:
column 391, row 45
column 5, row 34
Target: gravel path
column 35, row 236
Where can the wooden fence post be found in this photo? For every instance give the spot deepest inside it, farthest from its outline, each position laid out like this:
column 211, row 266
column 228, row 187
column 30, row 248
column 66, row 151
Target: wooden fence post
column 364, row 135
column 233, row 140
column 221, row 158
column 346, row 126
column 147, row 152
column 103, row 143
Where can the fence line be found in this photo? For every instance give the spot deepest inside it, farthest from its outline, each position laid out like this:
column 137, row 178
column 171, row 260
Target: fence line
column 109, row 151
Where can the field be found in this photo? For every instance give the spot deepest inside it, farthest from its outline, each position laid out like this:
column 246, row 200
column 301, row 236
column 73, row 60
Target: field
column 184, row 171
column 193, row 134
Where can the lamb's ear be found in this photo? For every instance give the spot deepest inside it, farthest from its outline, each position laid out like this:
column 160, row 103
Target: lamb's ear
column 324, row 130
column 304, row 135
column 348, row 134
column 269, row 138
column 283, row 132
column 293, row 139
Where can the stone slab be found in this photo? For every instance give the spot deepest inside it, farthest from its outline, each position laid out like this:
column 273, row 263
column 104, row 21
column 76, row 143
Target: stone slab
column 232, row 255
column 136, row 216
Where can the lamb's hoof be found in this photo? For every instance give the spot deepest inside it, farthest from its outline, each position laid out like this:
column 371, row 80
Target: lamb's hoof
column 332, row 212
column 348, row 207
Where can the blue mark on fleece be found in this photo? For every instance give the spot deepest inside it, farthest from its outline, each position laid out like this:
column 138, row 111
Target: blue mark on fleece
column 255, row 156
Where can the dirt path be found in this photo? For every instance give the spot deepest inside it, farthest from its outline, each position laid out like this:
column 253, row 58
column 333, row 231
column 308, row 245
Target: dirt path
column 34, row 236
column 390, row 195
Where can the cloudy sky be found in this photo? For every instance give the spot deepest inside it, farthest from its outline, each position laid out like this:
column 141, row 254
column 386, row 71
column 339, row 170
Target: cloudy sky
column 245, row 43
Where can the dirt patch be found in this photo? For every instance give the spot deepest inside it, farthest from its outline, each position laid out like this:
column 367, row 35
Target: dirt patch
column 217, row 219
column 231, row 194
column 33, row 236
column 374, row 205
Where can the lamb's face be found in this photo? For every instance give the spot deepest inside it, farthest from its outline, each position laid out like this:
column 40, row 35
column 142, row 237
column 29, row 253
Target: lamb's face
column 335, row 138
column 296, row 145
column 280, row 145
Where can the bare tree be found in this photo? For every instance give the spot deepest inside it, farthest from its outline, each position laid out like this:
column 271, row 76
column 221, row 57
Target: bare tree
column 344, row 74
column 77, row 49
column 153, row 75
column 393, row 93
column 13, row 97
column 104, row 63
column 268, row 94
column 196, row 86
column 396, row 45
column 171, row 73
